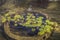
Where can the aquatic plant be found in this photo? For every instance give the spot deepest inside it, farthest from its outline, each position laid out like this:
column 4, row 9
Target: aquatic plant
column 30, row 21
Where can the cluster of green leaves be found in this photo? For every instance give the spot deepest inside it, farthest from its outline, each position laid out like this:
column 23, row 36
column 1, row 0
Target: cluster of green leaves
column 16, row 18
column 31, row 21
column 46, row 28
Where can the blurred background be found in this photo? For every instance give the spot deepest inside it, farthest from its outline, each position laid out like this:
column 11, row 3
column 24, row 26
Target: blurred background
column 50, row 7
